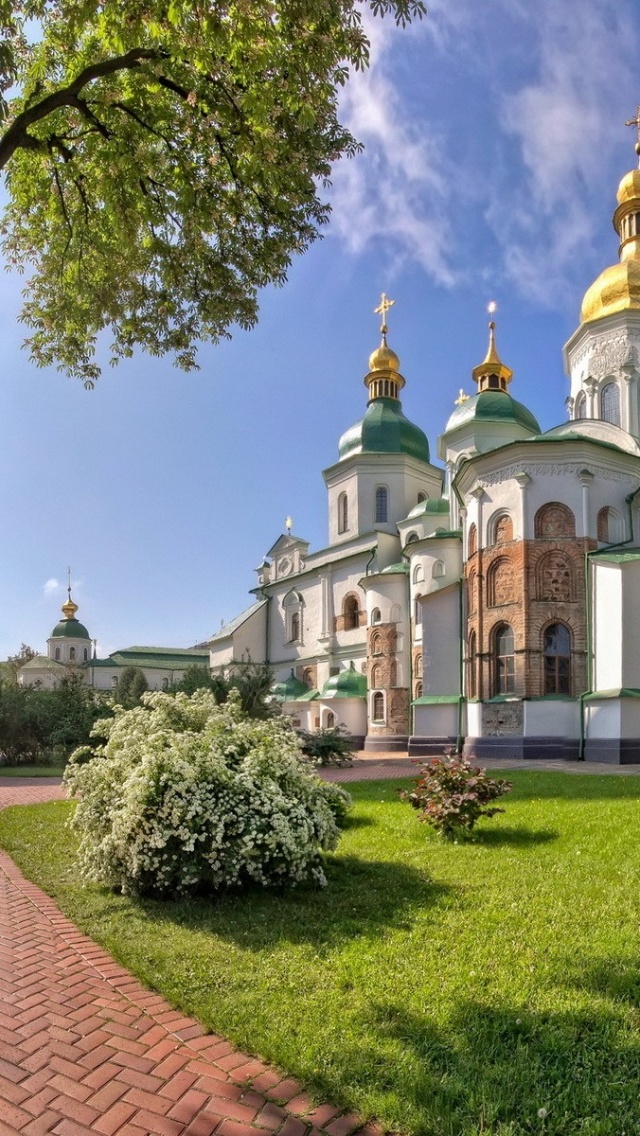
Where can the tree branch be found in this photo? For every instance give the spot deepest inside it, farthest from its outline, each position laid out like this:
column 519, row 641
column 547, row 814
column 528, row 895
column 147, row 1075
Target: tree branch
column 17, row 136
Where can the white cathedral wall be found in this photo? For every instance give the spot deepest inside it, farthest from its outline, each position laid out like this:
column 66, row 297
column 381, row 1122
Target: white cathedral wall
column 607, row 627
column 348, row 712
column 440, row 643
column 436, row 721
column 603, row 719
column 554, row 719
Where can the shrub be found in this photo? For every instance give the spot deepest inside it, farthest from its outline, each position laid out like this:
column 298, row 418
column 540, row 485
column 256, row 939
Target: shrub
column 452, row 795
column 332, row 746
column 185, row 795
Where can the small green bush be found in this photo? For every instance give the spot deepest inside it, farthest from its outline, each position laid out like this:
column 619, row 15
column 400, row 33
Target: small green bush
column 451, row 795
column 331, row 746
column 185, row 794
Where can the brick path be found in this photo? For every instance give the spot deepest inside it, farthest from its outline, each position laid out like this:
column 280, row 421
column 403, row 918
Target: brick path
column 85, row 1048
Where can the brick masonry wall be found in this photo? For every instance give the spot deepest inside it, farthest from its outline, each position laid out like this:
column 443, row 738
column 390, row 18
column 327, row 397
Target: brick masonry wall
column 528, row 585
column 382, row 675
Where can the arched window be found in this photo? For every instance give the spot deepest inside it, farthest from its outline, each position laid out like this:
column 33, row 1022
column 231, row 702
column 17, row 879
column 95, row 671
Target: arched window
column 418, row 574
column 417, row 611
column 72, row 654
column 504, row 661
column 501, row 529
column 422, row 497
column 114, row 680
column 580, row 410
column 377, row 706
column 329, row 719
column 473, row 540
column 165, row 684
column 376, row 675
column 557, row 659
column 555, row 577
column 58, row 654
column 86, row 654
column 418, row 665
column 554, row 519
column 500, row 583
column 471, row 666
column 412, row 537
column 376, row 644
column 610, row 403
column 395, row 614
column 438, row 570
column 610, row 526
column 418, row 690
column 382, row 505
column 292, row 604
column 307, row 677
column 351, row 612
column 376, row 615
column 471, row 593
column 343, row 513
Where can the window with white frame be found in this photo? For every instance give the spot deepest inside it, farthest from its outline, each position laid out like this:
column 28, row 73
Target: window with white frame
column 377, row 706
column 438, row 569
column 292, row 605
column 418, row 574
column 376, row 616
column 381, row 505
column 343, row 513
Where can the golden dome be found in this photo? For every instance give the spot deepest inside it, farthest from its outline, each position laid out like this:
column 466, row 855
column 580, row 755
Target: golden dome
column 617, row 289
column 69, row 608
column 383, row 358
column 629, row 187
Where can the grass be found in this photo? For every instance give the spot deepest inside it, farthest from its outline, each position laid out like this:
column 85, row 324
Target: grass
column 31, row 771
column 449, row 990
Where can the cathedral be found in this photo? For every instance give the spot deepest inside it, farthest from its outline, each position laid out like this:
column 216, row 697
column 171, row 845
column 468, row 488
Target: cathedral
column 489, row 600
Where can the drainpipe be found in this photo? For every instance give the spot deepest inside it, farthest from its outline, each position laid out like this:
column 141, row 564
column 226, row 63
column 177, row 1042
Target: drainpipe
column 412, row 712
column 629, row 499
column 267, row 616
column 460, row 663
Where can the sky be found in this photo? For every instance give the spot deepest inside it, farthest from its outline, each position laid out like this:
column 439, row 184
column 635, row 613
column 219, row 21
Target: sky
column 494, row 139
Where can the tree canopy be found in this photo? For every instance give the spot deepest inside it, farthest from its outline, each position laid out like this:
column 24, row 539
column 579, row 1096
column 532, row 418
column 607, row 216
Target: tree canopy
column 164, row 159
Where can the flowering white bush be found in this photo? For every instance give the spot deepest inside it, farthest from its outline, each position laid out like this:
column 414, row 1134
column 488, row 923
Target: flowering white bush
column 184, row 794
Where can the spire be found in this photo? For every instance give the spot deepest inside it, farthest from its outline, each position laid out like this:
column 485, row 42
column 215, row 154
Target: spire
column 69, row 608
column 491, row 373
column 384, row 379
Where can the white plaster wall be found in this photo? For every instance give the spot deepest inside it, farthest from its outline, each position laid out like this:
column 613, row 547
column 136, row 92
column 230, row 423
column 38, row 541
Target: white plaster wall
column 360, row 475
column 551, row 718
column 630, row 626
column 630, row 718
column 436, row 721
column 65, row 645
column 603, row 719
column 440, row 643
column 349, row 712
column 474, row 719
column 607, row 626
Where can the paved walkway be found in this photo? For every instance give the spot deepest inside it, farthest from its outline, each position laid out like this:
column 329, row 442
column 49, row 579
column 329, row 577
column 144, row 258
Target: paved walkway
column 85, row 1048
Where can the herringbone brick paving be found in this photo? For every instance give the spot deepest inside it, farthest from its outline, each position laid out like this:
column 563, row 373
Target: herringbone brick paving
column 85, row 1048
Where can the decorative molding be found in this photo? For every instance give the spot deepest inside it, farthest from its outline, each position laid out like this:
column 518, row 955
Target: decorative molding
column 554, row 469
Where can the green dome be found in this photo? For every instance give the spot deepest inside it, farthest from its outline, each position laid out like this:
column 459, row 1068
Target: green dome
column 385, row 430
column 391, row 569
column 69, row 629
column 492, row 406
column 434, row 506
column 290, row 689
column 347, row 684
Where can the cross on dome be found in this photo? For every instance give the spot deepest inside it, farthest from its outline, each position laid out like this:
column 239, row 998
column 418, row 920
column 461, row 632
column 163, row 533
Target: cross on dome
column 381, row 310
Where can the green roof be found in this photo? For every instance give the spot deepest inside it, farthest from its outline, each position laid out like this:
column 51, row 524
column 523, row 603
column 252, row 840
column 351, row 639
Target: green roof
column 618, row 557
column 492, row 406
column 42, row 663
column 162, row 658
column 289, row 690
column 69, row 629
column 434, row 506
column 347, row 684
column 393, row 568
column 385, row 430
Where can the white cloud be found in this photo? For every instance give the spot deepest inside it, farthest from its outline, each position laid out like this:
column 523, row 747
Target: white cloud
column 392, row 195
column 51, row 587
column 563, row 122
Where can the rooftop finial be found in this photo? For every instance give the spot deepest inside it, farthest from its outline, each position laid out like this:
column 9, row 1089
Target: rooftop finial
column 288, row 524
column 69, row 608
column 636, row 122
column 381, row 310
column 492, row 374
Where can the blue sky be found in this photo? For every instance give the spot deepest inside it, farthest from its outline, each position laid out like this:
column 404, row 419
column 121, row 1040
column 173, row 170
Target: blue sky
column 494, row 141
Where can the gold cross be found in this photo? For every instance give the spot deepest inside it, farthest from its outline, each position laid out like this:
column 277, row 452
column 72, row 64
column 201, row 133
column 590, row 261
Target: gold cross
column 462, row 397
column 381, row 310
column 288, row 524
column 635, row 122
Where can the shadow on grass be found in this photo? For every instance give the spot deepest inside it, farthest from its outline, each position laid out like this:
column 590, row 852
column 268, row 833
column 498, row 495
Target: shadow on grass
column 618, row 979
column 493, row 1068
column 517, row 837
column 363, row 898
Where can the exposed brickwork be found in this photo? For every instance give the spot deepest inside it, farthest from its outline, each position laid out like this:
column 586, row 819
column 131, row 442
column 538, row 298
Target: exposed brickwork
column 527, row 585
column 85, row 1048
column 382, row 673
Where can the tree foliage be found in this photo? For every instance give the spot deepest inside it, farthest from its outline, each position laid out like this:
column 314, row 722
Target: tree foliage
column 163, row 160
column 46, row 725
column 132, row 684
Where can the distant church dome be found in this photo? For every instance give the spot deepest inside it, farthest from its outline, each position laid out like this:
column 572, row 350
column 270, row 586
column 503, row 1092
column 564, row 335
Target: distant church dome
column 492, row 406
column 617, row 289
column 69, row 627
column 384, row 428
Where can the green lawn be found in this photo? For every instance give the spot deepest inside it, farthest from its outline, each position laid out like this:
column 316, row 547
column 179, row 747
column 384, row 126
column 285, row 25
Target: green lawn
column 31, row 771
column 449, row 990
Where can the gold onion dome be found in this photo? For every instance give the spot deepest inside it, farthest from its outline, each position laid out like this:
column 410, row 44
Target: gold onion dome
column 617, row 289
column 383, row 358
column 69, row 608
